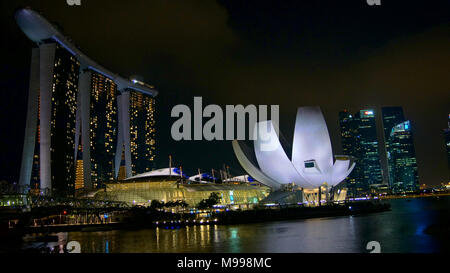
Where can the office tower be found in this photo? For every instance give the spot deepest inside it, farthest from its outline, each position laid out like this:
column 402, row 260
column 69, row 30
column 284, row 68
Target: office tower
column 359, row 140
column 48, row 155
column 402, row 158
column 368, row 141
column 391, row 117
column 74, row 102
column 350, row 146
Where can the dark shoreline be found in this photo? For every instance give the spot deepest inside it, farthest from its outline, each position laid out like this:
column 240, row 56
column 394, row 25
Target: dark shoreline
column 292, row 213
column 142, row 219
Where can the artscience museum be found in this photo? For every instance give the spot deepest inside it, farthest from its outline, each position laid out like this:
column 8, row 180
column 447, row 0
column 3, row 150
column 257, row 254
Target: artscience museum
column 312, row 164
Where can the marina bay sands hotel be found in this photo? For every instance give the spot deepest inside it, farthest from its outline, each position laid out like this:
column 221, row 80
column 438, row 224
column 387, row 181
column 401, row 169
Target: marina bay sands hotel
column 85, row 124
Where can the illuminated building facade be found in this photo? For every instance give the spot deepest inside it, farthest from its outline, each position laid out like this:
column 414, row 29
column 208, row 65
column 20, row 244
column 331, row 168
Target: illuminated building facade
column 359, row 140
column 142, row 192
column 98, row 121
column 136, row 133
column 103, row 122
column 402, row 159
column 48, row 157
column 391, row 117
column 75, row 102
column 370, row 157
column 15, row 201
column 79, row 172
column 312, row 163
column 63, row 120
column 142, row 132
column 351, row 146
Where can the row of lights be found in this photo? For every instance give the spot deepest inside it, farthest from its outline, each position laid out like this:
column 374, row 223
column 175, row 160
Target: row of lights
column 186, row 221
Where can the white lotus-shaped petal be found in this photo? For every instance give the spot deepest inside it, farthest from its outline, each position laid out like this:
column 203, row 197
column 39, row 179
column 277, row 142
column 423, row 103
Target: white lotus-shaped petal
column 341, row 170
column 250, row 168
column 272, row 158
column 312, row 157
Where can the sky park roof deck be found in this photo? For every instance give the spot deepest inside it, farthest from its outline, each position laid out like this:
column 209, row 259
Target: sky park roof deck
column 40, row 31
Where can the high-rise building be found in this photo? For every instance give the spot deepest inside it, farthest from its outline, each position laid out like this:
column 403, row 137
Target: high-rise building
column 30, row 142
column 368, row 141
column 142, row 126
column 98, row 121
column 350, row 146
column 391, row 117
column 74, row 102
column 50, row 127
column 359, row 139
column 401, row 163
column 402, row 159
column 139, row 127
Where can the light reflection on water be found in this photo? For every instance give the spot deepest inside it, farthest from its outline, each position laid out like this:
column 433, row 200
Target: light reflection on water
column 399, row 230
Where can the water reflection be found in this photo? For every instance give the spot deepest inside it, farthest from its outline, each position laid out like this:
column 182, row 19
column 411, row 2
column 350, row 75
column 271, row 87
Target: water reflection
column 400, row 230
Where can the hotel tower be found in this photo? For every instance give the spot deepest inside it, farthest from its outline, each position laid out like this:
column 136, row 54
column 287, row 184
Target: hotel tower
column 82, row 119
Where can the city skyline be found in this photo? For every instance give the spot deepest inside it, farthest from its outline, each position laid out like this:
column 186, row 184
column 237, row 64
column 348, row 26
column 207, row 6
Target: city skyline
column 401, row 161
column 390, row 160
column 239, row 66
column 205, row 131
column 360, row 140
column 391, row 116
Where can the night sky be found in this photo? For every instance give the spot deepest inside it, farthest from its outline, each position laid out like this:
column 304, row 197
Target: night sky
column 335, row 54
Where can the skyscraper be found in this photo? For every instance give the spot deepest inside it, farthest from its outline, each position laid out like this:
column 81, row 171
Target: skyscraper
column 402, row 159
column 137, row 133
column 391, row 117
column 142, row 129
column 359, row 139
column 401, row 163
column 368, row 141
column 97, row 122
column 350, row 146
column 50, row 127
column 74, row 113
